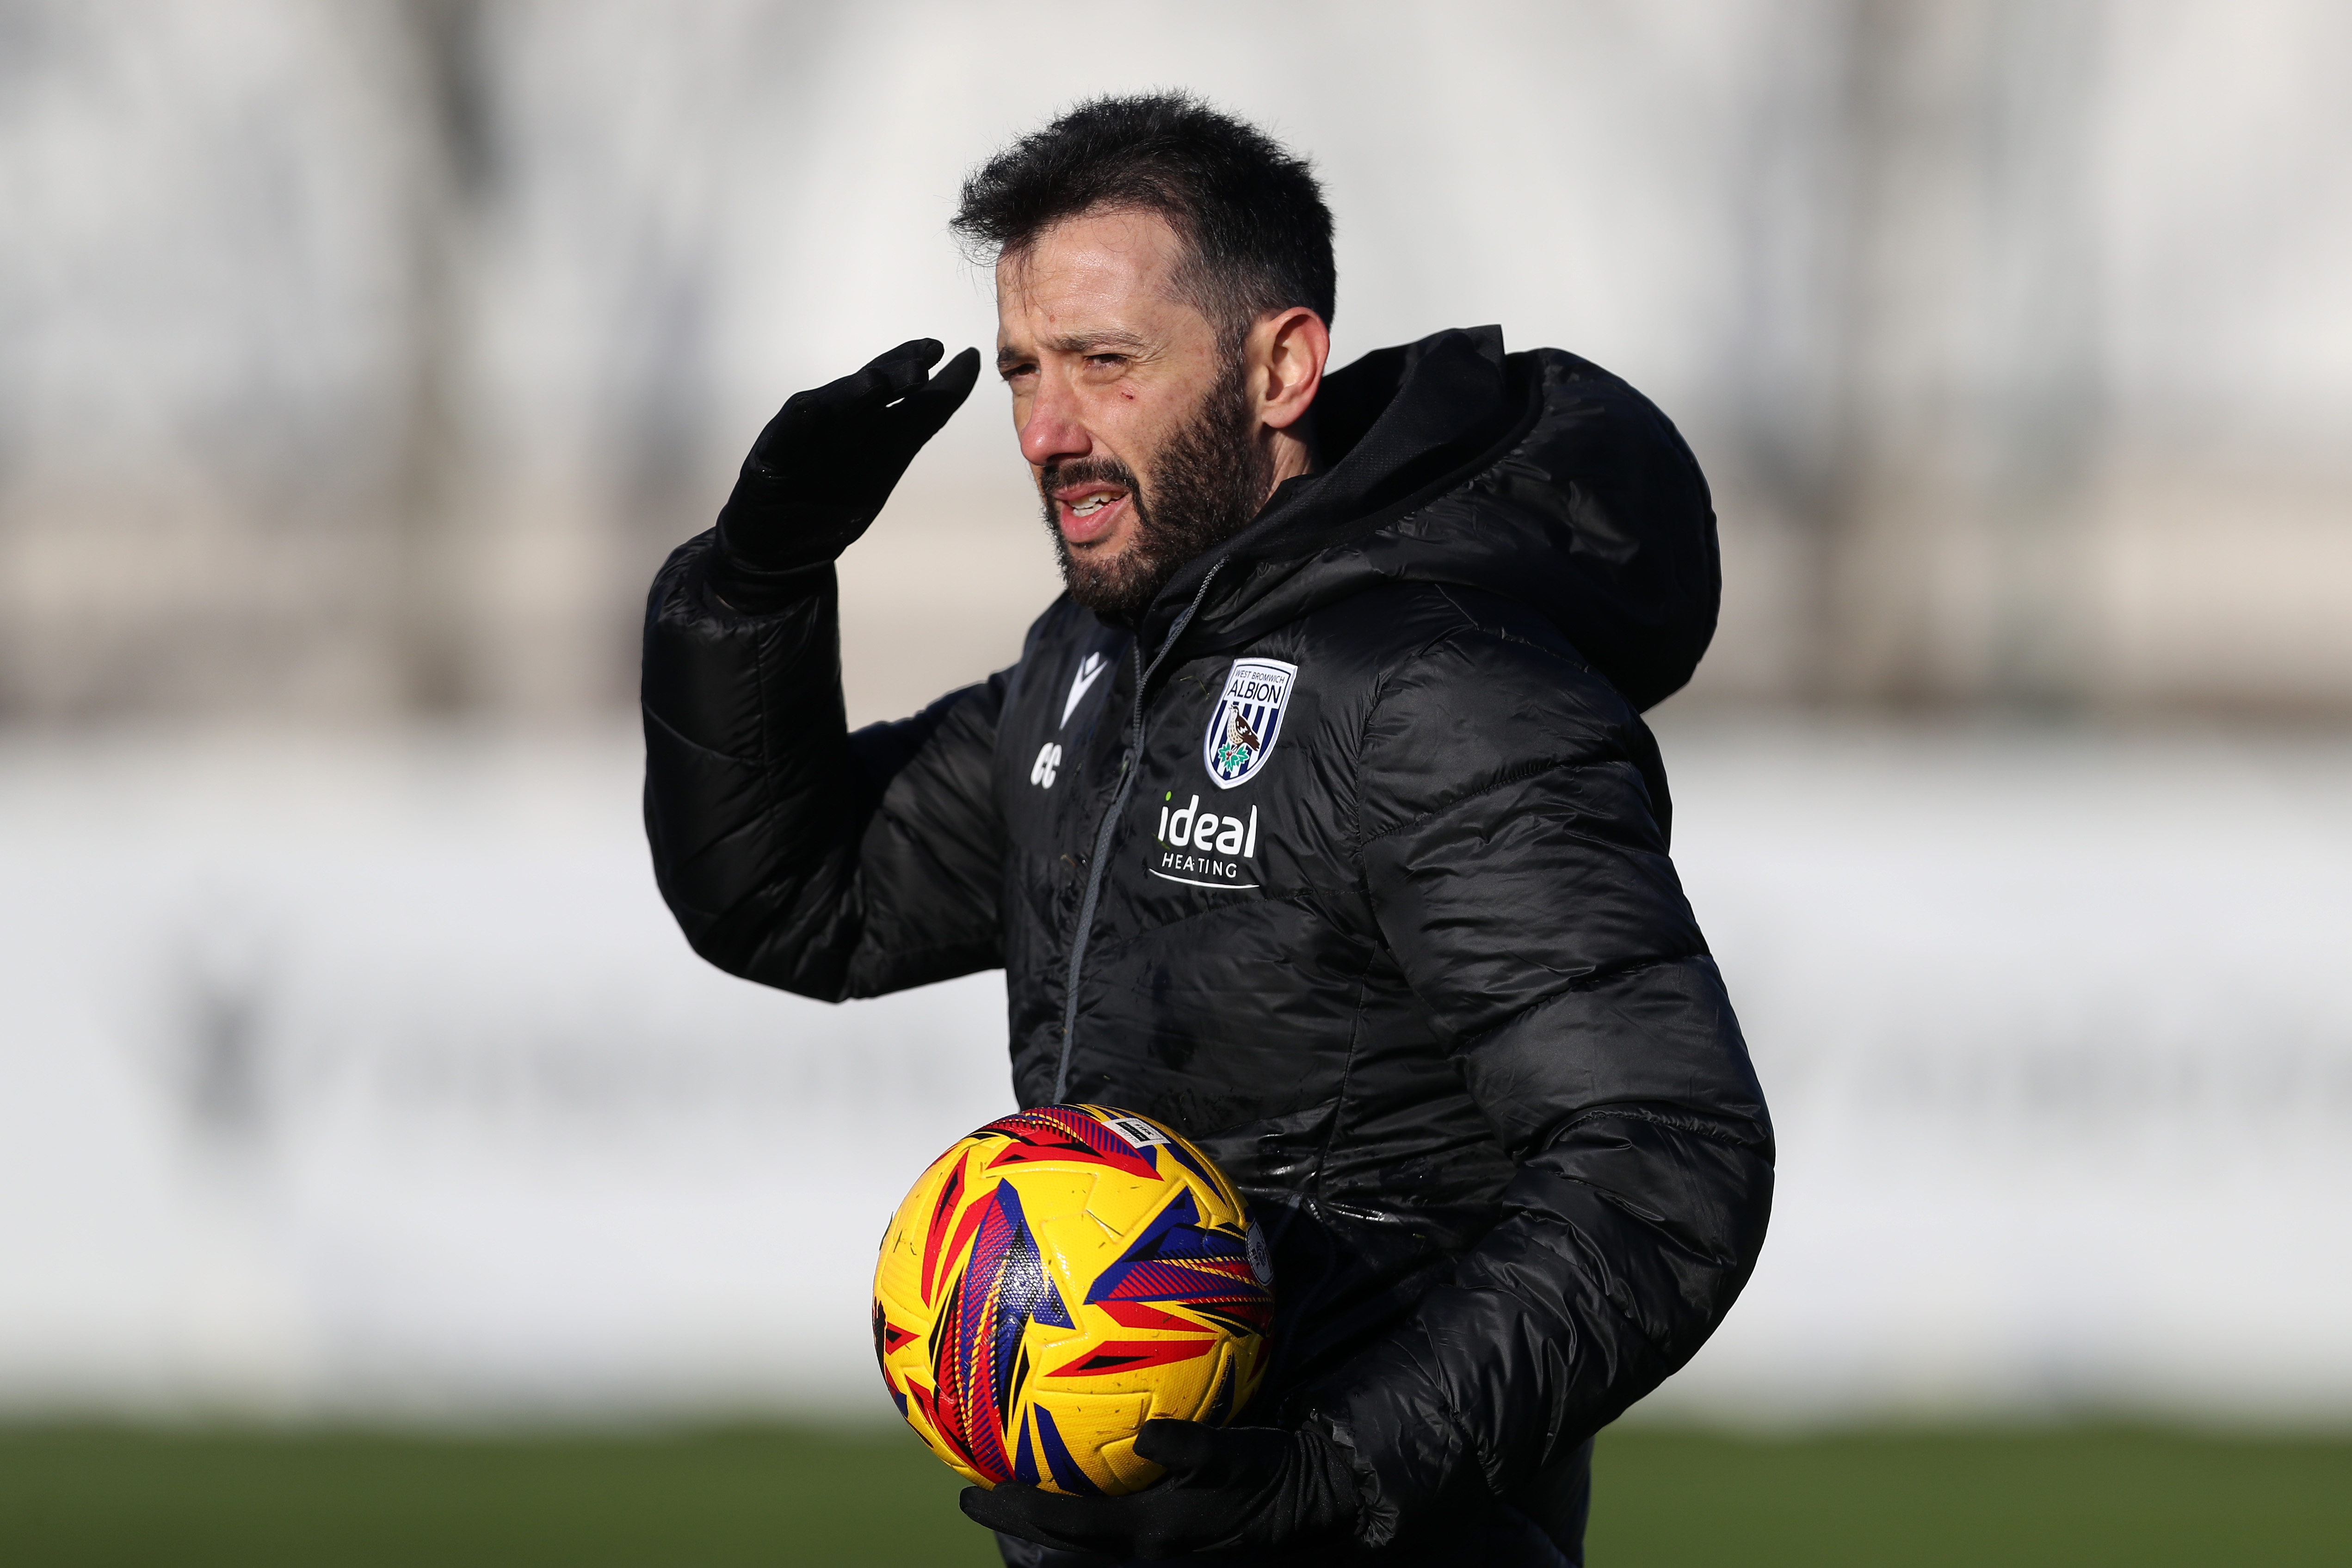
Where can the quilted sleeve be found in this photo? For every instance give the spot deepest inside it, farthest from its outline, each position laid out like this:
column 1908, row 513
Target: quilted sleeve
column 791, row 851
column 1520, row 876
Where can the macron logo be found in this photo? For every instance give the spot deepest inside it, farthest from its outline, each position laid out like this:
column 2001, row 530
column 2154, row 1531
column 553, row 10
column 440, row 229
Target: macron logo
column 1092, row 666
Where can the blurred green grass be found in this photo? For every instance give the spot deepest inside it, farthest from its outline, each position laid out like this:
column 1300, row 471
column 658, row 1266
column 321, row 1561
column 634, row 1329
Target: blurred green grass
column 81, row 1498
column 2079, row 1496
column 730, row 1499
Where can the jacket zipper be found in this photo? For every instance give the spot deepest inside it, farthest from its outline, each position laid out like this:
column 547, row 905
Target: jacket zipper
column 1127, row 771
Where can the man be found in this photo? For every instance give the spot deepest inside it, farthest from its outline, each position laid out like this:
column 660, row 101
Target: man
column 1316, row 819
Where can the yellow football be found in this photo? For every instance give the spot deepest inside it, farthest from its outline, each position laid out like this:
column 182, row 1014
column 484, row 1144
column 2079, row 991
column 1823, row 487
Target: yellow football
column 1056, row 1279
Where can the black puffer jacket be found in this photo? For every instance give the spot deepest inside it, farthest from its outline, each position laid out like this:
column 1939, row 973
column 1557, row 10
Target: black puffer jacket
column 1427, row 986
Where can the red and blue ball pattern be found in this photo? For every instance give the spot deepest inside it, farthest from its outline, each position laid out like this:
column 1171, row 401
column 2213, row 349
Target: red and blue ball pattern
column 1057, row 1278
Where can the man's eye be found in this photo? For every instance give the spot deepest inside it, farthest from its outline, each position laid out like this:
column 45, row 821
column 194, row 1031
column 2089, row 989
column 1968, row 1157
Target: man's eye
column 1107, row 359
column 1014, row 371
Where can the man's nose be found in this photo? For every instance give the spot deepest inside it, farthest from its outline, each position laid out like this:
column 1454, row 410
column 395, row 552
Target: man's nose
column 1053, row 433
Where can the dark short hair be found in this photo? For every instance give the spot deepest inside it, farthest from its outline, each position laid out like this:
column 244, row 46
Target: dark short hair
column 1250, row 212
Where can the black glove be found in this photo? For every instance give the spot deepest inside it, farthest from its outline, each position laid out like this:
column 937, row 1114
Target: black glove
column 820, row 470
column 1224, row 1488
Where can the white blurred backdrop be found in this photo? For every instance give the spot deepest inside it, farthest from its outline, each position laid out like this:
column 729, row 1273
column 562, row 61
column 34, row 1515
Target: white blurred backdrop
column 368, row 1078
column 360, row 359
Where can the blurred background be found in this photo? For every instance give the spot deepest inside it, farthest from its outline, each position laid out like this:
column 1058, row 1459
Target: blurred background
column 359, row 360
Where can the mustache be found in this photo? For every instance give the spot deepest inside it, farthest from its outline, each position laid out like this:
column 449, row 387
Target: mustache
column 1086, row 471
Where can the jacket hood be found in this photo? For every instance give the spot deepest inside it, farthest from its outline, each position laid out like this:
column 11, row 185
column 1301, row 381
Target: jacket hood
column 1536, row 475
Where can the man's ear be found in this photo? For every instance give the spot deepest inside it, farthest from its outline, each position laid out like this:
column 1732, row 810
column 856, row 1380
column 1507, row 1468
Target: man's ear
column 1288, row 352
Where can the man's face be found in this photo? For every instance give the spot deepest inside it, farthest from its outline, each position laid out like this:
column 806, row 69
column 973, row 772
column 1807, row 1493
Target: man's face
column 1135, row 428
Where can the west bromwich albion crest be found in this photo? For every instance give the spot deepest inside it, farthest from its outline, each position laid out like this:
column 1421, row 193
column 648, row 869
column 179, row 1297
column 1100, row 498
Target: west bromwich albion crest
column 1247, row 720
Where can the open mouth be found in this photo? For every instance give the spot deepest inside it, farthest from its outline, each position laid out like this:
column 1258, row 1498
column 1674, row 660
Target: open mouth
column 1089, row 517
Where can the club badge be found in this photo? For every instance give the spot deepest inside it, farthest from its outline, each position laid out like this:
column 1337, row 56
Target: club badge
column 1246, row 720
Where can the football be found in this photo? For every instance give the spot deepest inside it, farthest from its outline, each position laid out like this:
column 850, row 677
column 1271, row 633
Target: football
column 1056, row 1279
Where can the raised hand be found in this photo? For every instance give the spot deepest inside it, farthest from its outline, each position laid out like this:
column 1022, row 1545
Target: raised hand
column 820, row 470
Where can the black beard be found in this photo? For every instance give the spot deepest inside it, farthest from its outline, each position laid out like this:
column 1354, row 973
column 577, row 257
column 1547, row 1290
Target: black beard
column 1207, row 482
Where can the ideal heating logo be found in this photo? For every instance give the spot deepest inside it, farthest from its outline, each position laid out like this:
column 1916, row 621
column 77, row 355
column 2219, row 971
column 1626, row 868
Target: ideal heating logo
column 1203, row 848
